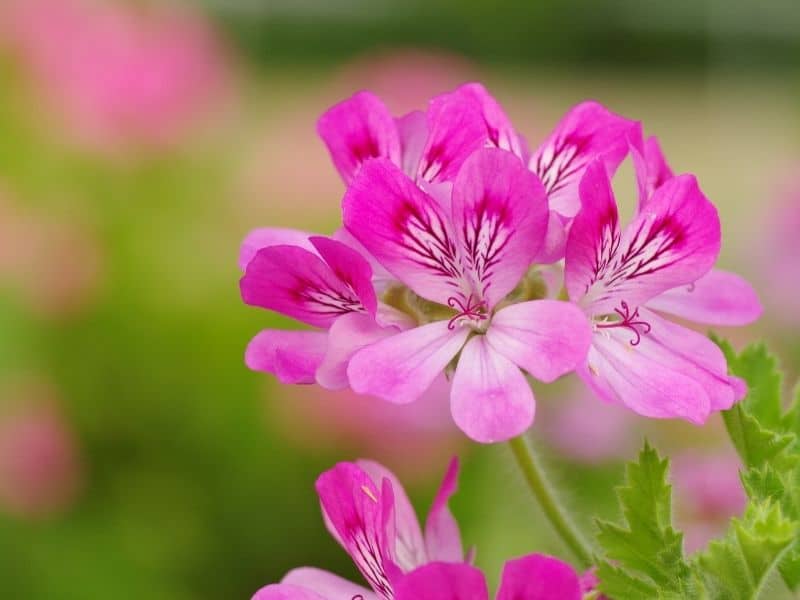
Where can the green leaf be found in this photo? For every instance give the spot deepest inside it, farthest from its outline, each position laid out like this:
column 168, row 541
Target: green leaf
column 645, row 554
column 737, row 567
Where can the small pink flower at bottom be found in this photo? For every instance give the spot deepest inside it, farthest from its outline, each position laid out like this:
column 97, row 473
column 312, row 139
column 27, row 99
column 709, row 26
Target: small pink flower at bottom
column 368, row 512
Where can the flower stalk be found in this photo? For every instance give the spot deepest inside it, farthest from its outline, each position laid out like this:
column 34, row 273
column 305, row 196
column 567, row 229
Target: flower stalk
column 546, row 497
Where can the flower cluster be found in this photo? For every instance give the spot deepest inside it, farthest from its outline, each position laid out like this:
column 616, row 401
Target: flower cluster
column 465, row 253
column 367, row 511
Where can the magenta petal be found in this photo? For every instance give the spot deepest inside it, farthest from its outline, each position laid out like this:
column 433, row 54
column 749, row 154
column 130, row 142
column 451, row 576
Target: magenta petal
column 442, row 536
column 456, row 128
column 646, row 378
column 299, row 284
column 271, row 236
column 327, row 585
column 538, row 577
column 284, row 591
column 490, row 399
column 439, row 581
column 350, row 268
column 555, row 241
column 500, row 131
column 405, row 229
column 409, row 547
column 358, row 513
column 413, row 130
column 546, row 338
column 588, row 131
column 357, row 129
column 399, row 369
column 652, row 170
column 500, row 213
column 347, row 335
column 673, row 241
column 718, row 298
column 292, row 356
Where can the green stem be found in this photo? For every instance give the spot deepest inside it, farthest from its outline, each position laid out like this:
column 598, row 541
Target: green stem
column 541, row 488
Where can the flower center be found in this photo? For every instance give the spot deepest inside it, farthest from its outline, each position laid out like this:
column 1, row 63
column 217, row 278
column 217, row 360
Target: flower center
column 471, row 312
column 628, row 320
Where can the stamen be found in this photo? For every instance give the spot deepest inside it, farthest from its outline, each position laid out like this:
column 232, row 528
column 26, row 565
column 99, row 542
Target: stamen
column 629, row 321
column 477, row 312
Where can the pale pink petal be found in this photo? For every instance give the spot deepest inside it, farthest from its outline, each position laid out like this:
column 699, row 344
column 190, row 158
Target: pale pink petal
column 490, row 399
column 546, row 338
column 299, row 284
column 357, row 129
column 350, row 268
column 358, row 513
column 456, row 128
column 409, row 549
column 500, row 131
column 538, row 577
column 405, row 229
column 292, row 356
column 644, row 378
column 399, row 369
column 555, row 241
column 327, row 585
column 674, row 240
column 718, row 298
column 588, row 131
column 271, row 236
column 347, row 335
column 442, row 536
column 500, row 214
column 283, row 591
column 439, row 581
column 413, row 130
column 381, row 278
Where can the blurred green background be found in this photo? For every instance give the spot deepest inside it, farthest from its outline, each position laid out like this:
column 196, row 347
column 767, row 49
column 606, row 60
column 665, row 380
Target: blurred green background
column 140, row 141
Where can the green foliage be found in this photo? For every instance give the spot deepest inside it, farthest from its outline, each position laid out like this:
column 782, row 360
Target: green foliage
column 767, row 438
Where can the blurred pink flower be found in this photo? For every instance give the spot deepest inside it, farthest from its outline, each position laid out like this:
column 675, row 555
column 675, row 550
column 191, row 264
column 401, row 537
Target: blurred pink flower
column 708, row 493
column 56, row 264
column 119, row 75
column 415, row 438
column 588, row 431
column 40, row 472
column 781, row 247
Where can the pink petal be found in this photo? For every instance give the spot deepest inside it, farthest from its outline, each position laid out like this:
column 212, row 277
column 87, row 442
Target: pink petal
column 405, row 229
column 409, row 549
column 439, row 580
column 271, row 236
column 652, row 170
column 718, row 298
column 358, row 512
column 538, row 577
column 282, row 591
column 555, row 241
column 292, row 356
column 299, row 284
column 646, row 378
column 456, row 128
column 546, row 338
column 381, row 278
column 399, row 369
column 350, row 268
column 490, row 399
column 347, row 335
column 500, row 214
column 442, row 536
column 588, row 131
column 327, row 585
column 500, row 131
column 674, row 240
column 413, row 130
column 357, row 129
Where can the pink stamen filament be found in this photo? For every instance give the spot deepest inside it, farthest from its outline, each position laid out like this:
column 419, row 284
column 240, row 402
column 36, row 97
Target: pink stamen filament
column 470, row 311
column 629, row 321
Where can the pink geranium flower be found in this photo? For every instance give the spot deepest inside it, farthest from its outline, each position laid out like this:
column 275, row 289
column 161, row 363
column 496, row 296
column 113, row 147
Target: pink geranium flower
column 461, row 253
column 369, row 514
column 619, row 276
